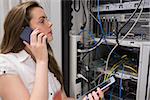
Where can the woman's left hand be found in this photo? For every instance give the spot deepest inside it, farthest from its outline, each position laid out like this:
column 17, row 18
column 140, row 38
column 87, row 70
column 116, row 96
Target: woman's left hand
column 95, row 95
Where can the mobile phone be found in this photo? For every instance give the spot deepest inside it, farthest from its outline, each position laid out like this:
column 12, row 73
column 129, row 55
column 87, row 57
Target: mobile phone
column 102, row 86
column 107, row 83
column 25, row 34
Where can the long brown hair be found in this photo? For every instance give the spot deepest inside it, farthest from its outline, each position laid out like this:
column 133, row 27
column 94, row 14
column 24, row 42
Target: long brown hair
column 15, row 21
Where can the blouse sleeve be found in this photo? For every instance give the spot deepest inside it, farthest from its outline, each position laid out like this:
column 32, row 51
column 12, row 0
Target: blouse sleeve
column 6, row 67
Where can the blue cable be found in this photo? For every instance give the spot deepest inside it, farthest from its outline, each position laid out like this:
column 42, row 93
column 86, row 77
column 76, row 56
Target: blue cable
column 91, row 35
column 99, row 19
column 120, row 90
column 111, row 92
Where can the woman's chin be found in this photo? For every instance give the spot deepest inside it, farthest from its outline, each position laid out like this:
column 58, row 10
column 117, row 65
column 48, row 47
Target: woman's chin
column 49, row 39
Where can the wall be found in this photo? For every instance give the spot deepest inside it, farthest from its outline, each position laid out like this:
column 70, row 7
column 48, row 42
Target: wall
column 5, row 6
column 55, row 17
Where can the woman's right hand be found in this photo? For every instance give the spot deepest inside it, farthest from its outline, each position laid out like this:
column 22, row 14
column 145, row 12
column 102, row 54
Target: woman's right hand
column 38, row 46
column 95, row 95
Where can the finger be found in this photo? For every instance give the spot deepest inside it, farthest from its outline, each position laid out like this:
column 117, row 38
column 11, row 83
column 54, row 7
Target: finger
column 40, row 37
column 96, row 97
column 27, row 44
column 100, row 93
column 105, row 90
column 44, row 39
column 85, row 98
column 90, row 96
column 33, row 37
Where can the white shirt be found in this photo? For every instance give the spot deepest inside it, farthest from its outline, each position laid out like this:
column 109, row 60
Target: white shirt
column 23, row 65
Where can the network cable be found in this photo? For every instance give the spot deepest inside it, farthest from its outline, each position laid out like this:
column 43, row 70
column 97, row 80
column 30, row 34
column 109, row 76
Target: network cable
column 92, row 48
column 99, row 41
column 96, row 45
column 90, row 33
column 120, row 92
column 115, row 66
column 117, row 34
column 124, row 37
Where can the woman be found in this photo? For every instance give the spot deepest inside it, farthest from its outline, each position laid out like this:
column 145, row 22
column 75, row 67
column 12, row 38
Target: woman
column 28, row 71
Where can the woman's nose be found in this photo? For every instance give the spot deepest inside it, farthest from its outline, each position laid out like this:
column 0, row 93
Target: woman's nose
column 50, row 24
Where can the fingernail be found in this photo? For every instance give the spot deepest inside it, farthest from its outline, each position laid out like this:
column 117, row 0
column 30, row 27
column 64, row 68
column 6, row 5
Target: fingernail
column 24, row 42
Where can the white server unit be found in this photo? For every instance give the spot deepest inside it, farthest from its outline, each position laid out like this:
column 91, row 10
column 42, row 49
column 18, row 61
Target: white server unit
column 132, row 49
column 124, row 23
